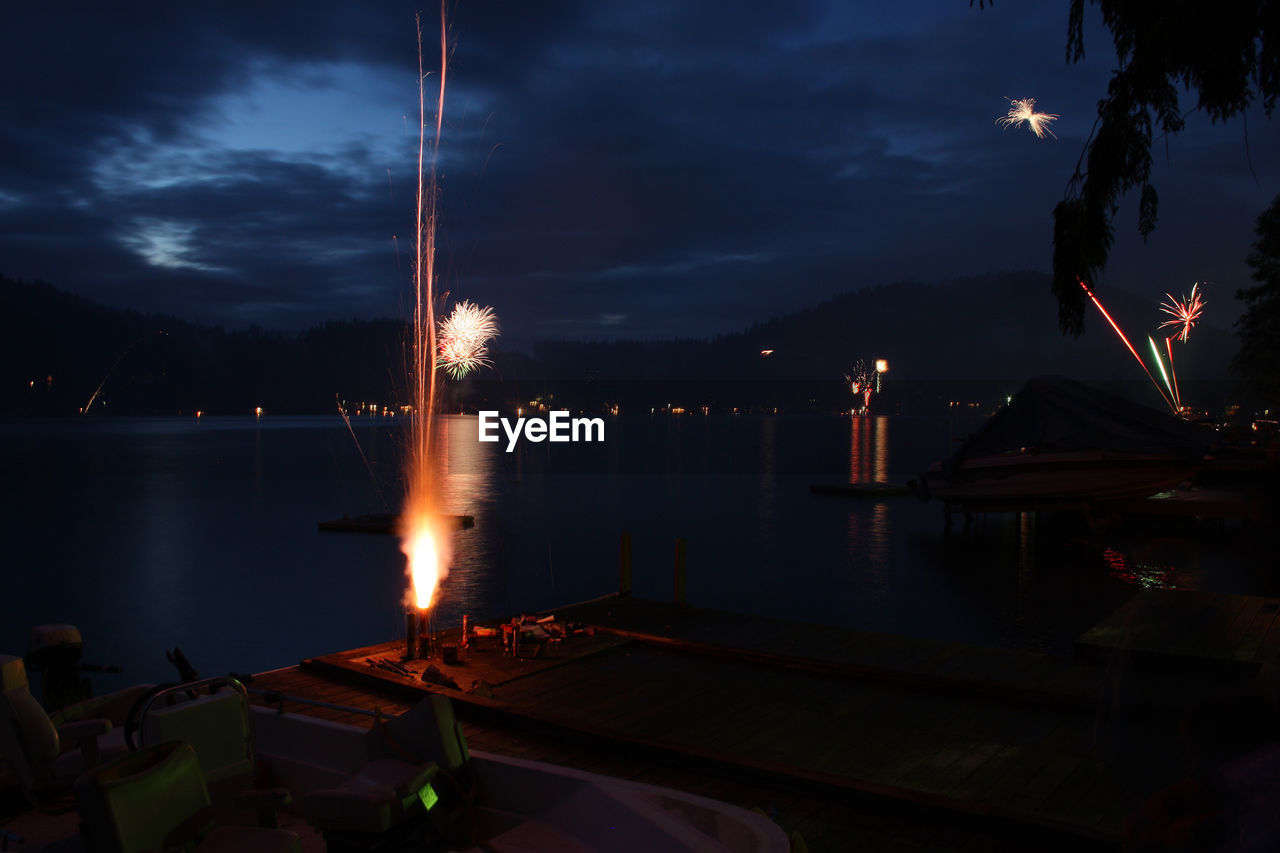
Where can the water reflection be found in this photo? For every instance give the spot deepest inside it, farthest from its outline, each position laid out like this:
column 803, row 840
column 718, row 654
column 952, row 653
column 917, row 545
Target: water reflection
column 205, row 535
column 867, row 539
column 869, row 449
column 164, row 541
column 1026, row 546
column 257, row 468
column 467, row 487
column 1140, row 574
column 768, row 474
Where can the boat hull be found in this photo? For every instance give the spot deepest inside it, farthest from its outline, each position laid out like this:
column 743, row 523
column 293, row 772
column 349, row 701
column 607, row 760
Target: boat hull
column 1047, row 478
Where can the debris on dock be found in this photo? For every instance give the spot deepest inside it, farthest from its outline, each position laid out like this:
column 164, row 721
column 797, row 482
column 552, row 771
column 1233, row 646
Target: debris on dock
column 433, row 675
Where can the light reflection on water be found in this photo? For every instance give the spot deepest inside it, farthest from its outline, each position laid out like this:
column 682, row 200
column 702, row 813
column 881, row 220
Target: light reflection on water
column 868, row 533
column 152, row 533
column 467, row 488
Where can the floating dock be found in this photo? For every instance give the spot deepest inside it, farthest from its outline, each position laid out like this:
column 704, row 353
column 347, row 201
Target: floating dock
column 853, row 738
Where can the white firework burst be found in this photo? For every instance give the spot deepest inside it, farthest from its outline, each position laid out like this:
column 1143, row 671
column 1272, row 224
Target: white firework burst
column 463, row 339
column 1023, row 111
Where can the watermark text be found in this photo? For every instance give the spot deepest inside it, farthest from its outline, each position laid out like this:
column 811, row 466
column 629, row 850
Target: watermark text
column 558, row 426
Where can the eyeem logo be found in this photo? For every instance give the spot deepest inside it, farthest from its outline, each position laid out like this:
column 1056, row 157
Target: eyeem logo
column 559, row 427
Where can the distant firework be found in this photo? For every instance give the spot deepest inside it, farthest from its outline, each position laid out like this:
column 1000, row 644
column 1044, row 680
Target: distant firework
column 463, row 339
column 1185, row 312
column 861, row 383
column 1022, row 111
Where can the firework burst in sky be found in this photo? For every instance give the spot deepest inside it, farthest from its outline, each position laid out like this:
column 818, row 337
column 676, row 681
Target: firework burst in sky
column 862, row 383
column 463, row 339
column 1023, row 111
column 1185, row 312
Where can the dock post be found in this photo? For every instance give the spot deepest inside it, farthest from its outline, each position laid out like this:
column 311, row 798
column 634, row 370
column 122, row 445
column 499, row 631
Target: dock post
column 680, row 559
column 624, row 564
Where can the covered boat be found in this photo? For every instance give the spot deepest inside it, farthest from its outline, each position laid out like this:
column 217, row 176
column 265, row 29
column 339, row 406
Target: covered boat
column 1060, row 441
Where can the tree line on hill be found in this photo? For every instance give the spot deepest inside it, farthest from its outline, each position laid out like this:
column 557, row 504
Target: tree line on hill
column 60, row 352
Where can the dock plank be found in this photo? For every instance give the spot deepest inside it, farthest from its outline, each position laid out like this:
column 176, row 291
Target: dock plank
column 1225, row 645
column 1251, row 640
column 1213, row 633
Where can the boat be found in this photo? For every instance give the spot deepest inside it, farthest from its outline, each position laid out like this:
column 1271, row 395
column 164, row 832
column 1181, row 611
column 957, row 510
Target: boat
column 291, row 782
column 1060, row 442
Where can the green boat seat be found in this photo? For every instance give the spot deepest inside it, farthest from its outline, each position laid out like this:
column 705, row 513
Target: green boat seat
column 155, row 799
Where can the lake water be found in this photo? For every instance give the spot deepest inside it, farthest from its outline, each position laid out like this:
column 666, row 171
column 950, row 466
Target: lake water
column 151, row 533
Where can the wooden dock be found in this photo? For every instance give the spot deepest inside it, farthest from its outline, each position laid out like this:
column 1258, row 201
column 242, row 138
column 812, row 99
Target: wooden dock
column 1230, row 636
column 853, row 737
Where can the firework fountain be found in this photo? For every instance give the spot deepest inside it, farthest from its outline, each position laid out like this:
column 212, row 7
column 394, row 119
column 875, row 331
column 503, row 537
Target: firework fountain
column 422, row 536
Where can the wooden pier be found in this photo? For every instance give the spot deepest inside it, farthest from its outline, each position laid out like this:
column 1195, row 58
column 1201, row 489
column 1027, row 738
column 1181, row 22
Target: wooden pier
column 850, row 738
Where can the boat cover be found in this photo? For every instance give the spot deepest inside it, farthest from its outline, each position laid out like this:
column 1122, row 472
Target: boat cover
column 1053, row 413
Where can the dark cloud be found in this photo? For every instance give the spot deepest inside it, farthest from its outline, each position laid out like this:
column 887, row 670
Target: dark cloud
column 607, row 169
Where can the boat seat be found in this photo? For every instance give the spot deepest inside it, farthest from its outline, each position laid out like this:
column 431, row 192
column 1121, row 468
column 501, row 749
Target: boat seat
column 155, row 799
column 45, row 757
column 216, row 725
column 416, row 787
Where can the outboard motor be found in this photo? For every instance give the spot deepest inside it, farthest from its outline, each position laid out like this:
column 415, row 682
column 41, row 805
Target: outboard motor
column 54, row 654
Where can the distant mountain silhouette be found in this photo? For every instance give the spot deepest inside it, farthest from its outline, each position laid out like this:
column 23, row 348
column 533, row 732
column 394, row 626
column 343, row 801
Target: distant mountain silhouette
column 1000, row 326
column 59, row 351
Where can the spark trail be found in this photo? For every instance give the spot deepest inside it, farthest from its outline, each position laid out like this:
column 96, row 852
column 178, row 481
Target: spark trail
column 421, row 534
column 1125, row 340
column 127, row 350
column 342, row 411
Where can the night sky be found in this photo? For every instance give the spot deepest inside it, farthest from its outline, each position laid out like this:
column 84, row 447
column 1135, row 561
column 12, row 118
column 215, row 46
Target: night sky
column 608, row 169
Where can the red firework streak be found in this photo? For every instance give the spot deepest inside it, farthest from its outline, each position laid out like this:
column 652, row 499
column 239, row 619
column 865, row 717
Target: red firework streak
column 1125, row 339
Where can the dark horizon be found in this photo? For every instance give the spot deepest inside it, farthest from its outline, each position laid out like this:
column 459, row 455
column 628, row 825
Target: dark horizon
column 61, row 352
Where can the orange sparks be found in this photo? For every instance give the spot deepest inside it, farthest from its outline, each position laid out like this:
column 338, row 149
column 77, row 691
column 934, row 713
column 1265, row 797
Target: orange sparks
column 421, row 544
column 419, row 541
